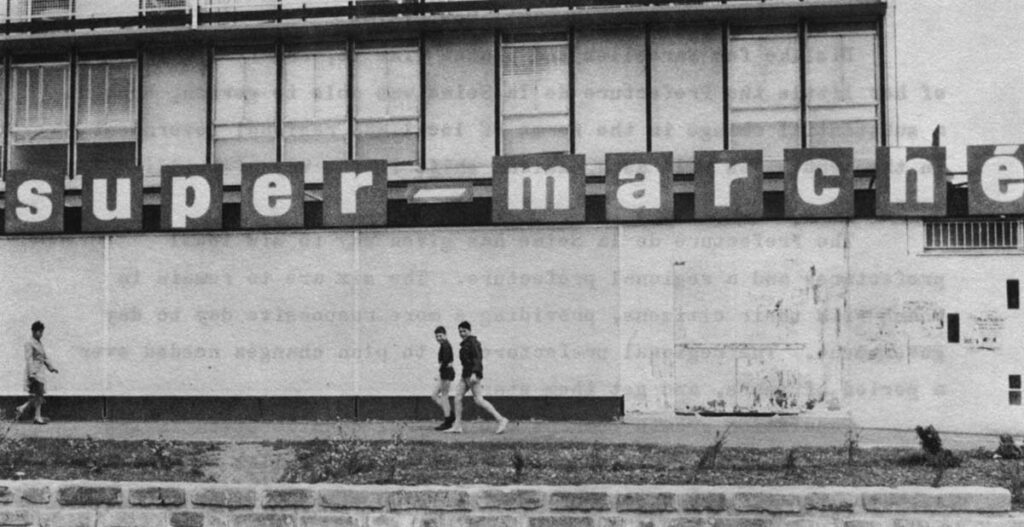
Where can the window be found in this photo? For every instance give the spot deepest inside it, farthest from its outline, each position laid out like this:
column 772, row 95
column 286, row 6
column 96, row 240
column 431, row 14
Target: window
column 764, row 89
column 686, row 90
column 387, row 102
column 534, row 93
column 163, row 6
column 315, row 107
column 611, row 87
column 241, row 5
column 842, row 87
column 460, row 100
column 1014, row 390
column 174, row 108
column 971, row 234
column 106, row 114
column 40, row 9
column 39, row 118
column 245, row 111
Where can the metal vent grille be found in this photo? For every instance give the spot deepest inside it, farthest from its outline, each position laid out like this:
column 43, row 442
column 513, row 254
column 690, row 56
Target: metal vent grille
column 972, row 234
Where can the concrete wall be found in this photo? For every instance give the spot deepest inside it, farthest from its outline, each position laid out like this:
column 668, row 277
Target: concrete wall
column 314, row 312
column 32, row 503
column 831, row 317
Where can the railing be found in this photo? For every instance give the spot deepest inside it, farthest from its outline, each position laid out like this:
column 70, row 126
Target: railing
column 21, row 15
column 972, row 234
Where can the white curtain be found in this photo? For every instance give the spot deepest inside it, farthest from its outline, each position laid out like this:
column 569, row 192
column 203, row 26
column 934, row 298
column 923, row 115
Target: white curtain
column 460, row 100
column 842, row 93
column 535, row 97
column 610, row 93
column 174, row 106
column 315, row 108
column 764, row 91
column 686, row 90
column 244, row 112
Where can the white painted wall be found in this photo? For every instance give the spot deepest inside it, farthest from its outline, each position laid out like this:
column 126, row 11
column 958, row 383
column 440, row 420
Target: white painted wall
column 851, row 315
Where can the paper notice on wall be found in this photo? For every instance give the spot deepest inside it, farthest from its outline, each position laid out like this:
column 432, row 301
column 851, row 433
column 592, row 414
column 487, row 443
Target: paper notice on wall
column 984, row 331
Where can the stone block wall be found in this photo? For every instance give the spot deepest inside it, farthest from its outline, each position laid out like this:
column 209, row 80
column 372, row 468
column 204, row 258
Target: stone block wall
column 99, row 504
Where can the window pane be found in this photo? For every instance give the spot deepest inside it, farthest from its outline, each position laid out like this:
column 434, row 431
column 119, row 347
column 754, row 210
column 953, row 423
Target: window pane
column 53, row 107
column 174, row 100
column 106, row 102
column 842, row 94
column 764, row 91
column 39, row 133
column 244, row 111
column 106, row 131
column 686, row 90
column 387, row 104
column 460, row 100
column 535, row 95
column 315, row 109
column 610, row 93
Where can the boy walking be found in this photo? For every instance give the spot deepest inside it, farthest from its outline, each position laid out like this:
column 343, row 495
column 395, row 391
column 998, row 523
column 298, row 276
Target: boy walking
column 471, row 356
column 35, row 361
column 445, row 357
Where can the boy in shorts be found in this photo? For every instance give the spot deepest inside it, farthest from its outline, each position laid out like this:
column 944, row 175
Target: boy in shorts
column 445, row 357
column 35, row 361
column 471, row 356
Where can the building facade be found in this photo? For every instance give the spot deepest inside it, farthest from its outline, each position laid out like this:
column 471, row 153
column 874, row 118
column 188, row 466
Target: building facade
column 584, row 311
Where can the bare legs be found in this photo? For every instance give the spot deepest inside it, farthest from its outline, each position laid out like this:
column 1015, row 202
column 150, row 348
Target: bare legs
column 473, row 384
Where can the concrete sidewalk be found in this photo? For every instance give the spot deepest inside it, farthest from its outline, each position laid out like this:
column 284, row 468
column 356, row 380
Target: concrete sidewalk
column 782, row 432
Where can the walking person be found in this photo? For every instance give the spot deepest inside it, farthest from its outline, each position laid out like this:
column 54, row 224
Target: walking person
column 445, row 357
column 471, row 356
column 35, row 376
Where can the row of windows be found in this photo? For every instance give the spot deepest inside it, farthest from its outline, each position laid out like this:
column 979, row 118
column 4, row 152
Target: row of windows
column 453, row 101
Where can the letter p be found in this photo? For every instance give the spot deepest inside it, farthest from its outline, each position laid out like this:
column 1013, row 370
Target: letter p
column 181, row 209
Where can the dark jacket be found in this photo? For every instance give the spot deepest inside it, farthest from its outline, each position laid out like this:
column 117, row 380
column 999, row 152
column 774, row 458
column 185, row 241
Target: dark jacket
column 445, row 356
column 471, row 355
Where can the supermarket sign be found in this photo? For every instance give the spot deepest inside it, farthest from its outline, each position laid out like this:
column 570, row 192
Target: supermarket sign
column 545, row 188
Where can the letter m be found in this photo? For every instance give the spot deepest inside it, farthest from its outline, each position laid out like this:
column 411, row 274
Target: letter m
column 558, row 177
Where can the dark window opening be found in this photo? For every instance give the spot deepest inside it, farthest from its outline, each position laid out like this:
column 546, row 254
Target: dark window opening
column 952, row 327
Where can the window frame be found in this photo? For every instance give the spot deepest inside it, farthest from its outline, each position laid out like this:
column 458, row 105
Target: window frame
column 534, row 39
column 412, row 122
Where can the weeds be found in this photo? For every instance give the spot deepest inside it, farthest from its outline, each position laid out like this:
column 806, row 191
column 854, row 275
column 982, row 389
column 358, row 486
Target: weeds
column 852, row 446
column 935, row 456
column 390, row 457
column 595, row 459
column 1015, row 483
column 791, row 462
column 346, row 458
column 1008, row 449
column 518, row 464
column 709, row 457
column 9, row 447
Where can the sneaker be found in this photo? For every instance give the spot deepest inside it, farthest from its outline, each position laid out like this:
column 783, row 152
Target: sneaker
column 42, row 421
column 443, row 426
column 501, row 426
column 453, row 430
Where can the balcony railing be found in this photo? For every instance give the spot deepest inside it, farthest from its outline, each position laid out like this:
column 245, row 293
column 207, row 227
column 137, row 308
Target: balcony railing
column 35, row 15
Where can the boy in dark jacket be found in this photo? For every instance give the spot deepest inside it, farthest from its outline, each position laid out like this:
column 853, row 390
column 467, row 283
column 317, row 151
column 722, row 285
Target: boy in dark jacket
column 445, row 357
column 472, row 358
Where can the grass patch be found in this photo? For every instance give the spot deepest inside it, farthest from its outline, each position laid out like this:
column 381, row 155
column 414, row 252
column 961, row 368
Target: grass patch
column 417, row 463
column 65, row 459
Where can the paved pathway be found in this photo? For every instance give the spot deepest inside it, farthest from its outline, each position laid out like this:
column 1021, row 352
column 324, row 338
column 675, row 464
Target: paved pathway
column 746, row 432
